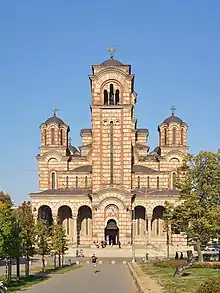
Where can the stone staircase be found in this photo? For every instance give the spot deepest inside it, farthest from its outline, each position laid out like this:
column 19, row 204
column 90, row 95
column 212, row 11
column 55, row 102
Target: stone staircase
column 153, row 251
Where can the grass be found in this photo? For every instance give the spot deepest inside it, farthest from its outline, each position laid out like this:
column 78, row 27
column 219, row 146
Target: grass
column 36, row 277
column 187, row 284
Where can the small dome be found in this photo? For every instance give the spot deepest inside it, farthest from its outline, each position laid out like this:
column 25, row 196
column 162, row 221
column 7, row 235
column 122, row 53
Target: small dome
column 111, row 62
column 173, row 119
column 54, row 119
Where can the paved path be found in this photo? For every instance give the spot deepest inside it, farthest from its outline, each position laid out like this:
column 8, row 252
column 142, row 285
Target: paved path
column 111, row 278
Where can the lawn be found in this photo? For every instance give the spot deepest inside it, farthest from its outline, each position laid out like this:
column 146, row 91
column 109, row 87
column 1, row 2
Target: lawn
column 187, row 284
column 36, row 277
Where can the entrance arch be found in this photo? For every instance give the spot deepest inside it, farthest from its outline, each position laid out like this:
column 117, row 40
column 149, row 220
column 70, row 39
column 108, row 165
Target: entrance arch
column 112, row 232
column 45, row 213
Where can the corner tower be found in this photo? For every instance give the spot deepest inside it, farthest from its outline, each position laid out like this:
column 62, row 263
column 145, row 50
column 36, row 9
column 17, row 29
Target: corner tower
column 113, row 124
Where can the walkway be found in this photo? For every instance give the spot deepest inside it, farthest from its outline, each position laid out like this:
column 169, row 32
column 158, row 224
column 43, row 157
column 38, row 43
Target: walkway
column 111, row 278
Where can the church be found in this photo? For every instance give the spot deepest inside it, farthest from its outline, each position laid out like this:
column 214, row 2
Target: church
column 112, row 187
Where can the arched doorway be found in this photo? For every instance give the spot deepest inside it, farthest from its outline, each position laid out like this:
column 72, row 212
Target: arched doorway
column 45, row 213
column 84, row 225
column 157, row 222
column 112, row 232
column 65, row 218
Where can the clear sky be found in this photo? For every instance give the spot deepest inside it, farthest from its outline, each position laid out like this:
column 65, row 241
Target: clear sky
column 48, row 46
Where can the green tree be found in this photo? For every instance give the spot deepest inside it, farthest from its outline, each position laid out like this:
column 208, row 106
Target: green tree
column 9, row 248
column 58, row 242
column 43, row 240
column 199, row 185
column 27, row 232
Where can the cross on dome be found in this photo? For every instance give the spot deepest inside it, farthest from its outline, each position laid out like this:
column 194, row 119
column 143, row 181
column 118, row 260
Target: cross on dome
column 173, row 109
column 55, row 111
column 111, row 51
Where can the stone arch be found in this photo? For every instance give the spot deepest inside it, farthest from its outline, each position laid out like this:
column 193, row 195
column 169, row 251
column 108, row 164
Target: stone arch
column 113, row 193
column 84, row 225
column 45, row 213
column 174, row 154
column 111, row 211
column 157, row 224
column 65, row 218
column 140, row 217
column 111, row 201
column 52, row 154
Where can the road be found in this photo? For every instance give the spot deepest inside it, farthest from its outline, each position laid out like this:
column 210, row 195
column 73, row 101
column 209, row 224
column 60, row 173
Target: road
column 110, row 278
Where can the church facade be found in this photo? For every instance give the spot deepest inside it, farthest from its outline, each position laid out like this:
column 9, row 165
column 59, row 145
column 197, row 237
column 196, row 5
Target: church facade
column 112, row 187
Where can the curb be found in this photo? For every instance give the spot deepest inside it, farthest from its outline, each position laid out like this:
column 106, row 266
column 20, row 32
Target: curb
column 137, row 279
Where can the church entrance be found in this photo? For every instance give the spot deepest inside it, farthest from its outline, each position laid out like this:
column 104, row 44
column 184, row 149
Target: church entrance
column 111, row 232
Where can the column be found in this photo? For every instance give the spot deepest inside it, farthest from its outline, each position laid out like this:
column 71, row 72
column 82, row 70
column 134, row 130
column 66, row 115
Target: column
column 149, row 229
column 74, row 228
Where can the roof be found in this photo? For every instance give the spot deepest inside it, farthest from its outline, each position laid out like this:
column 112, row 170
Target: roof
column 173, row 119
column 111, row 62
column 54, row 119
column 156, row 192
column 143, row 169
column 84, row 169
column 70, row 191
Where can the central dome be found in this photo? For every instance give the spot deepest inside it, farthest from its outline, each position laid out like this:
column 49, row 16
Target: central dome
column 111, row 62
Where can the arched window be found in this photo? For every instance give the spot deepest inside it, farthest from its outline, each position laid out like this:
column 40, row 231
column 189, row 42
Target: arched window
column 139, row 182
column 182, row 136
column 158, row 182
column 174, row 180
column 67, row 181
column 165, row 136
column 77, row 183
column 105, row 97
column 148, row 182
column 117, row 97
column 174, row 135
column 53, row 180
column 45, row 137
column 61, row 136
column 132, row 112
column 86, row 182
column 111, row 96
column 52, row 136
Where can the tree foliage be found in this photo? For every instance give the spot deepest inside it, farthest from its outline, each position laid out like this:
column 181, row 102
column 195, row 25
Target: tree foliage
column 58, row 242
column 27, row 232
column 199, row 183
column 43, row 240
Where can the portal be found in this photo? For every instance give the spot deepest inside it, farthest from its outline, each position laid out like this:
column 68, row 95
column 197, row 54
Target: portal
column 112, row 232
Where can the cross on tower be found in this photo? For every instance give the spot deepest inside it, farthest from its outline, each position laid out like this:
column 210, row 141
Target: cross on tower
column 173, row 109
column 55, row 111
column 111, row 51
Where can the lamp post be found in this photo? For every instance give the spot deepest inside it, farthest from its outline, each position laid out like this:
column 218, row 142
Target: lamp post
column 133, row 235
column 18, row 248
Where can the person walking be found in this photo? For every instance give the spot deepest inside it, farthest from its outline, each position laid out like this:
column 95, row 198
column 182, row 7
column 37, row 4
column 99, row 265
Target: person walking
column 94, row 263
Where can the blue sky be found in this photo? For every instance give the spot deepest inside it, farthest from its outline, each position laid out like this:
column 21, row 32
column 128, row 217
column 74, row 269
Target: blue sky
column 47, row 48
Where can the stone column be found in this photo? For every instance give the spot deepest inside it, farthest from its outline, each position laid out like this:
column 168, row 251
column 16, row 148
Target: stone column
column 74, row 228
column 149, row 229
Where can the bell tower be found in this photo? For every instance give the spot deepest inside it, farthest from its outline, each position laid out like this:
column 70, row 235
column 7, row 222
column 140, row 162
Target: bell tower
column 113, row 123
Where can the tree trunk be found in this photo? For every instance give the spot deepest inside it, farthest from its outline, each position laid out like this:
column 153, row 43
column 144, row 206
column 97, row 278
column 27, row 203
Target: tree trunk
column 43, row 263
column 59, row 259
column 62, row 259
column 9, row 272
column 18, row 267
column 55, row 261
column 199, row 251
column 27, row 266
column 168, row 245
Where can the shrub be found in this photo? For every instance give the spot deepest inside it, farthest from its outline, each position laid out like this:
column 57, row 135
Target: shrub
column 211, row 285
column 207, row 265
column 168, row 263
